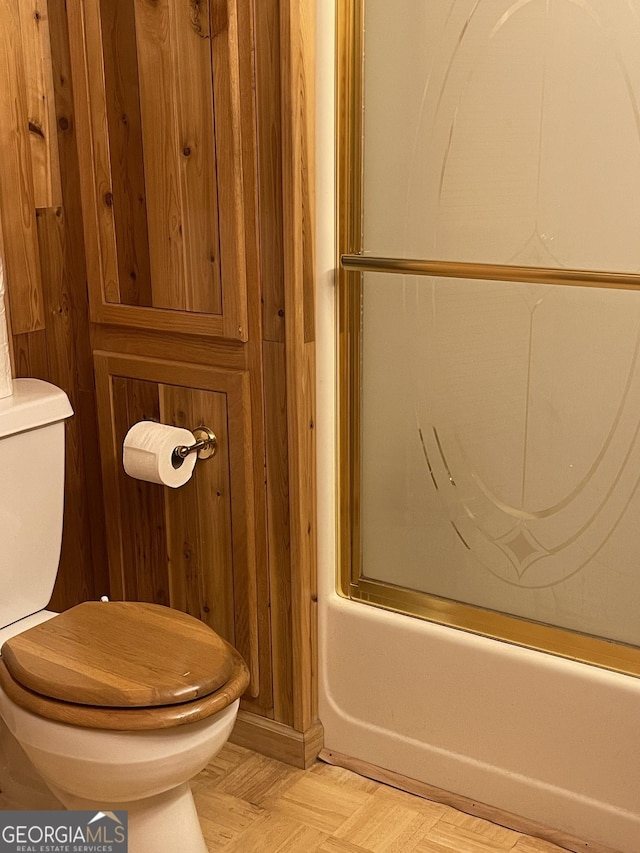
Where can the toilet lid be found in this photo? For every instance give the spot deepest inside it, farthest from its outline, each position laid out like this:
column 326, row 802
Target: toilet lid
column 120, row 654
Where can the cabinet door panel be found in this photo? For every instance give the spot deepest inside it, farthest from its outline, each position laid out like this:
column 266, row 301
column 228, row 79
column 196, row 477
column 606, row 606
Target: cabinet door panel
column 162, row 141
column 193, row 547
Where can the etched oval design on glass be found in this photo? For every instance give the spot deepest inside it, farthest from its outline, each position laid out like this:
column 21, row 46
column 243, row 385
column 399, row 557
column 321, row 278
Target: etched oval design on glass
column 534, row 484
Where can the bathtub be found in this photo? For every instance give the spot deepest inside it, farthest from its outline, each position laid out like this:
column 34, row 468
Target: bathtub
column 537, row 736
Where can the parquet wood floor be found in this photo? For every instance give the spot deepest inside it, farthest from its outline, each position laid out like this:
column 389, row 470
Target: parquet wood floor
column 251, row 804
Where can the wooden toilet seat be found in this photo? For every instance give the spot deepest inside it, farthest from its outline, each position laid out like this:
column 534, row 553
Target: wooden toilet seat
column 122, row 666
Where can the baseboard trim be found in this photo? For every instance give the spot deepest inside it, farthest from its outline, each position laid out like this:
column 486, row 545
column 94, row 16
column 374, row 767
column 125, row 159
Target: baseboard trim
column 276, row 740
column 463, row 804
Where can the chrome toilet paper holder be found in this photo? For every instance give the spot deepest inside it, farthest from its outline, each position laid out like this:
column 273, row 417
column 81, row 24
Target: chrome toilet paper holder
column 206, row 446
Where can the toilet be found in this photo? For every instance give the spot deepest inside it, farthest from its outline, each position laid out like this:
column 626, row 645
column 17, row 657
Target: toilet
column 117, row 705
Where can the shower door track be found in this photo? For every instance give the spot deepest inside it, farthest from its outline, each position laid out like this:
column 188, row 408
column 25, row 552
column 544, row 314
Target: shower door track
column 519, row 631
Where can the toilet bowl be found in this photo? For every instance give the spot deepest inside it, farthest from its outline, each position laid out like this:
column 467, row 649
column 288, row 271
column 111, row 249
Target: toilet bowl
column 116, row 705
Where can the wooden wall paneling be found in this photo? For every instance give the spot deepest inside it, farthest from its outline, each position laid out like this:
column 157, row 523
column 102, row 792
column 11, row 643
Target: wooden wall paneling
column 160, row 143
column 85, row 37
column 110, row 458
column 69, row 216
column 285, row 155
column 263, row 704
column 133, row 384
column 213, row 485
column 30, row 354
column 199, row 516
column 36, row 49
column 51, row 354
column 297, row 38
column 226, row 355
column 272, row 238
column 90, row 577
column 267, row 15
column 119, row 379
column 60, row 351
column 17, row 200
column 279, row 538
column 196, row 153
column 74, row 582
column 125, row 145
column 141, row 508
column 161, row 319
column 243, row 528
column 185, row 556
column 172, row 184
column 233, row 117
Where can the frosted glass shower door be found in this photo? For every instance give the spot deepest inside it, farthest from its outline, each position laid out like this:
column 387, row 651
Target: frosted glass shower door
column 499, row 420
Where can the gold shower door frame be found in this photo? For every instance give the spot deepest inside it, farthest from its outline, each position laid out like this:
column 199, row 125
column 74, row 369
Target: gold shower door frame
column 352, row 583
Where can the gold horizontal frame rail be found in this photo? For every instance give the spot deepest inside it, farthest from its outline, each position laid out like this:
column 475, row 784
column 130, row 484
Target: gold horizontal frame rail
column 517, row 630
column 491, row 272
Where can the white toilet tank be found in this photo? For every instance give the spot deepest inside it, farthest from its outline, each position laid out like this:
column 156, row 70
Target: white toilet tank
column 31, row 495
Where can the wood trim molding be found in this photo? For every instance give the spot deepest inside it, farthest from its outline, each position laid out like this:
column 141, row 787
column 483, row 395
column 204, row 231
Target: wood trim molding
column 463, row 804
column 297, row 100
column 275, row 740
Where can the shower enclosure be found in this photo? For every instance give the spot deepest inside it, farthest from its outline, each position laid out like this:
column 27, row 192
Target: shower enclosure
column 491, row 318
column 488, row 443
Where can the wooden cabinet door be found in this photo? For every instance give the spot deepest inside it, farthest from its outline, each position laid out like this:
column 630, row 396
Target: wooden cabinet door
column 161, row 127
column 192, row 548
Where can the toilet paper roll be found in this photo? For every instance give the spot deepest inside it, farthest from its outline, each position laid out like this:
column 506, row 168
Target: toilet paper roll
column 147, row 453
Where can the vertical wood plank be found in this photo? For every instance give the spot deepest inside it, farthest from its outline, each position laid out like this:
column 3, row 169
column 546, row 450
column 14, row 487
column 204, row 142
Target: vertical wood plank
column 160, row 147
column 296, row 33
column 230, row 113
column 213, row 487
column 30, row 354
column 40, row 102
column 85, row 34
column 74, row 585
column 199, row 516
column 125, row 146
column 279, row 539
column 140, row 505
column 110, row 474
column 182, row 514
column 263, row 703
column 193, row 96
column 270, row 159
column 17, row 202
column 243, row 528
